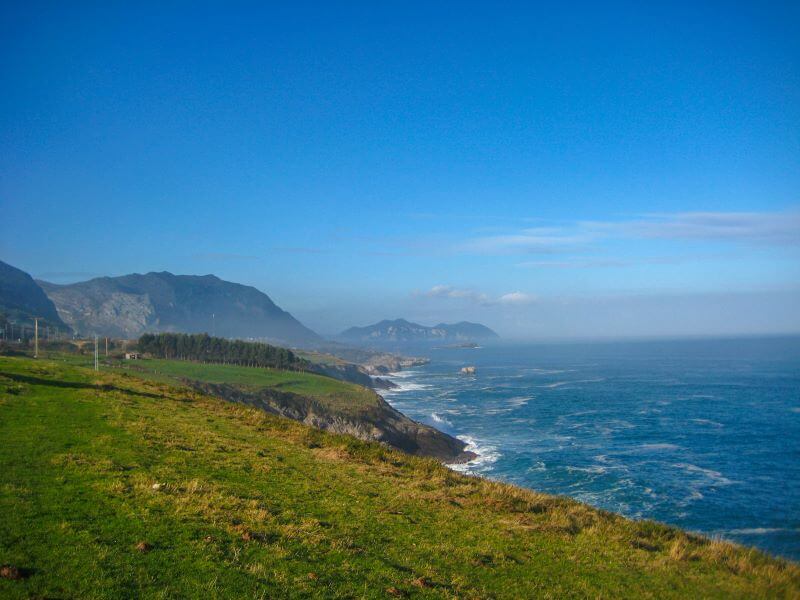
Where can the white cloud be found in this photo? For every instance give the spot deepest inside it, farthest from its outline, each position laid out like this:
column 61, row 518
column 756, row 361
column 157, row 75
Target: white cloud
column 447, row 291
column 517, row 298
column 532, row 241
column 771, row 228
column 450, row 292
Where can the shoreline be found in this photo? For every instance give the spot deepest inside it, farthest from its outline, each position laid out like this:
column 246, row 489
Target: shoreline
column 474, row 453
column 655, row 478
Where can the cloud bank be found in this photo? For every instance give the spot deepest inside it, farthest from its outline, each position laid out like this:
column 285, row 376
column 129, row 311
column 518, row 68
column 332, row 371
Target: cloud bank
column 475, row 297
column 762, row 228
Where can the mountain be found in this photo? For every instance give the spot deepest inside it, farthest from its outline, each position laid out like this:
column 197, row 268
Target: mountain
column 130, row 305
column 21, row 298
column 401, row 330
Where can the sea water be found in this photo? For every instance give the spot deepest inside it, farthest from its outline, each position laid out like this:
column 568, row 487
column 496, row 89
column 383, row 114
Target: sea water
column 702, row 434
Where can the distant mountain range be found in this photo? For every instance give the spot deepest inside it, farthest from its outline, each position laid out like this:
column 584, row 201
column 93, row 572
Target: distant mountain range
column 130, row 305
column 21, row 299
column 401, row 330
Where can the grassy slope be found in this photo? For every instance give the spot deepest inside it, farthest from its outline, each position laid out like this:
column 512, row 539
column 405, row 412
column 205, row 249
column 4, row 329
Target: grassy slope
column 257, row 506
column 321, row 358
column 338, row 395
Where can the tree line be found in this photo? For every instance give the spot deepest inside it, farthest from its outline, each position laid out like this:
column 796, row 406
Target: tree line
column 202, row 347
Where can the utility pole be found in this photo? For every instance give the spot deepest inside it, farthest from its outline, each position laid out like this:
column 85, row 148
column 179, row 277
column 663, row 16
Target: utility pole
column 96, row 355
column 106, row 347
column 213, row 325
column 35, row 337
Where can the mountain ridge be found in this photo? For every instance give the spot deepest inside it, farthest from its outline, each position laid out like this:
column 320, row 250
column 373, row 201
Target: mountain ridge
column 129, row 305
column 402, row 330
column 22, row 299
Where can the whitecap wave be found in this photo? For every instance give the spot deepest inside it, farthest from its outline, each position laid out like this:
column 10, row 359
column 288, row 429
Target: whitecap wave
column 403, row 386
column 518, row 401
column 496, row 411
column 487, row 455
column 402, row 374
column 657, row 447
column 555, row 385
column 439, row 419
column 759, row 530
column 592, row 469
column 537, row 467
column 708, row 422
column 715, row 477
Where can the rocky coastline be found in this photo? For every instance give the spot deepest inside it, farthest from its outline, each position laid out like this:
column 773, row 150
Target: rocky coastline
column 378, row 423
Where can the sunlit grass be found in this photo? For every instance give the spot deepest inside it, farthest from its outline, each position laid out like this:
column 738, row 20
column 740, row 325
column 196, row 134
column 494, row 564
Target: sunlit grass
column 226, row 501
column 335, row 394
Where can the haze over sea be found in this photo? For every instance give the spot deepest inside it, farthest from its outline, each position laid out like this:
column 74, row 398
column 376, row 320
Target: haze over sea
column 702, row 434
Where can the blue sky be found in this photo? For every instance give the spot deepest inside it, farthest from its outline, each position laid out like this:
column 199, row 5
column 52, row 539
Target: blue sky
column 552, row 170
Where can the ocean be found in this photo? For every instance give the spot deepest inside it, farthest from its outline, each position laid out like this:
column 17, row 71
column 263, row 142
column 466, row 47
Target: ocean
column 702, row 434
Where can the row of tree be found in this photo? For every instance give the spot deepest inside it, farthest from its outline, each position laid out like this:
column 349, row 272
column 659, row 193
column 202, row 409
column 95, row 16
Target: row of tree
column 202, row 347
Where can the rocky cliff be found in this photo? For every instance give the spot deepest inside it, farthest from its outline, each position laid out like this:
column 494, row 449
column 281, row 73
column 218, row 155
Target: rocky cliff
column 380, row 423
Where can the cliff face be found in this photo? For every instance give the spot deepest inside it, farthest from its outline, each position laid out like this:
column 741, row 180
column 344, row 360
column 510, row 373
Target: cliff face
column 134, row 304
column 380, row 423
column 95, row 308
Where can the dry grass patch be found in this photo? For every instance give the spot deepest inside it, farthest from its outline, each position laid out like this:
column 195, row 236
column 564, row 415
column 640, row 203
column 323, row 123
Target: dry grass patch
column 331, row 453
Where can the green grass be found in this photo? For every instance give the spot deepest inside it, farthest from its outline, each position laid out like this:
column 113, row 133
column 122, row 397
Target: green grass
column 321, row 358
column 255, row 506
column 338, row 395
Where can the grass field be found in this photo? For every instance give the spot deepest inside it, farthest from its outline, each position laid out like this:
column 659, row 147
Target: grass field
column 340, row 396
column 320, row 357
column 112, row 486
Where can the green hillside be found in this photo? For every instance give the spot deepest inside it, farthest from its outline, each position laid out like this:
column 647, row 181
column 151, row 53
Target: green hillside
column 334, row 393
column 321, row 401
column 114, row 486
